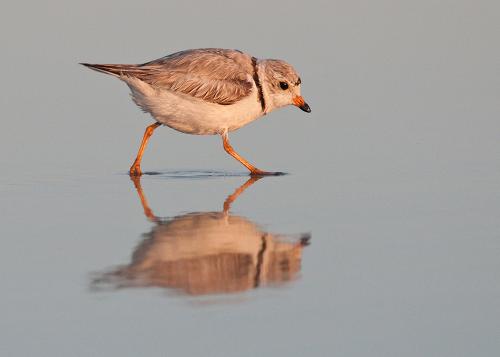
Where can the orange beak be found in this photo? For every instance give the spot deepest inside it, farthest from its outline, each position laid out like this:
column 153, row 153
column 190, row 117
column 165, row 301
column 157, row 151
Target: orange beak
column 299, row 102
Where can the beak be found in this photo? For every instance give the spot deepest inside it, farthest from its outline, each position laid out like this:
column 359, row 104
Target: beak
column 298, row 101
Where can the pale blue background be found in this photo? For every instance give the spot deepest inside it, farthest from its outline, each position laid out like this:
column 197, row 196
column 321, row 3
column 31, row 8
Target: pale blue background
column 395, row 173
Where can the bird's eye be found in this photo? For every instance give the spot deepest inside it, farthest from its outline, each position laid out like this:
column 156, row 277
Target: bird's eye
column 284, row 85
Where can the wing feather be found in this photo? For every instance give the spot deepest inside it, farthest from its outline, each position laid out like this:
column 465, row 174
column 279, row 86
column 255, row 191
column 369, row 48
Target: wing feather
column 215, row 75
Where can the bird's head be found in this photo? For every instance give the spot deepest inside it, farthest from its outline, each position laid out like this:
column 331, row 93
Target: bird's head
column 281, row 85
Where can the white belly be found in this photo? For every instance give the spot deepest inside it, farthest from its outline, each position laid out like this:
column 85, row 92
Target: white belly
column 192, row 115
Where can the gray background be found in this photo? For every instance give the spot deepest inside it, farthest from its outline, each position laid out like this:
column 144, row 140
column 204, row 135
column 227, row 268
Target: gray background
column 395, row 173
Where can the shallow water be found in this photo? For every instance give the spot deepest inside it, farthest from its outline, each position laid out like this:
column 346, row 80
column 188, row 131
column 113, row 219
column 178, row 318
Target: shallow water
column 382, row 239
column 86, row 262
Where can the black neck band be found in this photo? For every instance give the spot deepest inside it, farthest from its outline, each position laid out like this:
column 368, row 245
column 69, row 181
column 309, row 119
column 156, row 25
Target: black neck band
column 256, row 79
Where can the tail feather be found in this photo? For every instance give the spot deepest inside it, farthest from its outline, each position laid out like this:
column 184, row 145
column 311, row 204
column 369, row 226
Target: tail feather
column 116, row 70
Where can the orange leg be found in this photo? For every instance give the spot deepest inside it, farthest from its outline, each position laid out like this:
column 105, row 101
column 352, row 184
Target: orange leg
column 135, row 169
column 253, row 170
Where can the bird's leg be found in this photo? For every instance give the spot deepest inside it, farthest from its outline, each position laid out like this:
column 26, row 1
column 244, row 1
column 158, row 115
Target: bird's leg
column 135, row 169
column 229, row 149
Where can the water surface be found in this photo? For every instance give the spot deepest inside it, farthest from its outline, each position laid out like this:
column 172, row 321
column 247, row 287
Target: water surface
column 382, row 240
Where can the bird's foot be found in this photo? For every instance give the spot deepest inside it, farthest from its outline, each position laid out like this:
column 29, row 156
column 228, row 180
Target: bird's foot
column 135, row 171
column 258, row 172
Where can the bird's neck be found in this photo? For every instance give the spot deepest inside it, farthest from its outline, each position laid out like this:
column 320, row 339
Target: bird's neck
column 265, row 98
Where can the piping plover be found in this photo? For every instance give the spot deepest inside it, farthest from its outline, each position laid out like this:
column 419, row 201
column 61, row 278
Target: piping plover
column 208, row 91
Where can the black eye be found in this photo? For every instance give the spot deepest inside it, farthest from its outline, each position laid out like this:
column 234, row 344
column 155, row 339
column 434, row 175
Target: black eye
column 284, row 85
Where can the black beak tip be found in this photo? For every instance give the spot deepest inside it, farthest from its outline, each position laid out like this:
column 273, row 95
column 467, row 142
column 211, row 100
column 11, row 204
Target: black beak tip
column 305, row 107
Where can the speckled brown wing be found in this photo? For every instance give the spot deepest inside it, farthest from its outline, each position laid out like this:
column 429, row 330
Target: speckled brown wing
column 215, row 75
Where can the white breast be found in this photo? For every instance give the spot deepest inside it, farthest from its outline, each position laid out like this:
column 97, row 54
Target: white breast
column 193, row 115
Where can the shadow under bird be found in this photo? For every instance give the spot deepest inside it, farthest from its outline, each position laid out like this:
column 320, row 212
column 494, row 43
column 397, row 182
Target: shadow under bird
column 207, row 92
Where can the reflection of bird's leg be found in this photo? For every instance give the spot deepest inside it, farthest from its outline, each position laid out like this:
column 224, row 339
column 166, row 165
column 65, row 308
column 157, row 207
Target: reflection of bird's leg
column 230, row 199
column 147, row 211
column 135, row 169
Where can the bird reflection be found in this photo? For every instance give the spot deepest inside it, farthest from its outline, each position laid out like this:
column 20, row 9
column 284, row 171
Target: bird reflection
column 207, row 253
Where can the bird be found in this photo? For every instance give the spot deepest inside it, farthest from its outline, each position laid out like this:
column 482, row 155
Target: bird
column 208, row 91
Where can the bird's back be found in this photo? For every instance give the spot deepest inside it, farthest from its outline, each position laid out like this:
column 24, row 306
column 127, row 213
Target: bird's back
column 218, row 76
